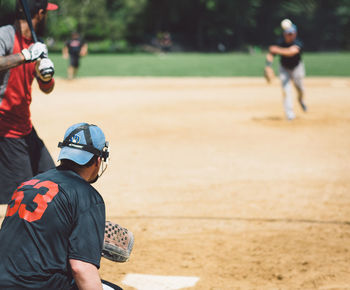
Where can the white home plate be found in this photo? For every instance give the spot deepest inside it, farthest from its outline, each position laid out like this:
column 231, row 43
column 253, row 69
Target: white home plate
column 153, row 282
column 106, row 287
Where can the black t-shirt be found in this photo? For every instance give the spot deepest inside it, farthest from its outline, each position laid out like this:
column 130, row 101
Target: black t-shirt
column 290, row 62
column 51, row 218
column 74, row 46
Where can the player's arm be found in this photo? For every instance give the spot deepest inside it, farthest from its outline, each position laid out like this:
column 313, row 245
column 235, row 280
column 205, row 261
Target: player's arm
column 269, row 73
column 269, row 58
column 46, row 87
column 30, row 54
column 85, row 275
column 11, row 61
column 44, row 70
column 284, row 51
column 65, row 52
column 84, row 50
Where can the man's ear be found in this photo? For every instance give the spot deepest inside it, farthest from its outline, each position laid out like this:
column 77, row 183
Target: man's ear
column 41, row 13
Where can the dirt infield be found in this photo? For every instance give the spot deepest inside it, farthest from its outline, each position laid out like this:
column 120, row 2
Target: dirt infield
column 214, row 182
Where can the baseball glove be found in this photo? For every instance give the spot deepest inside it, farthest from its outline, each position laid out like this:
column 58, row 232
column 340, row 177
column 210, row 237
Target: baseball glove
column 269, row 74
column 118, row 243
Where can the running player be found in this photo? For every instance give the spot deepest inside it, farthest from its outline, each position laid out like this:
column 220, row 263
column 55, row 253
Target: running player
column 74, row 49
column 22, row 152
column 289, row 47
column 52, row 235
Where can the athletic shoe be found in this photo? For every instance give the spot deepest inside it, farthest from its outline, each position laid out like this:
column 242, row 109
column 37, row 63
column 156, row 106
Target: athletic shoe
column 290, row 116
column 303, row 106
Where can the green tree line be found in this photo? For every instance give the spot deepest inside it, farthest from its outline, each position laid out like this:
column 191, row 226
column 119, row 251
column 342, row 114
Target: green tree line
column 200, row 25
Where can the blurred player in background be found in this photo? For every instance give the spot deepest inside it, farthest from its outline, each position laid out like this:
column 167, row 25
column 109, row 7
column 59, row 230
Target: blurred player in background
column 289, row 47
column 53, row 232
column 22, row 152
column 166, row 42
column 74, row 49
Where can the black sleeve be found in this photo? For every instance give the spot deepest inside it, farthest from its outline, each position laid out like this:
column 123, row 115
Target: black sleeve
column 86, row 239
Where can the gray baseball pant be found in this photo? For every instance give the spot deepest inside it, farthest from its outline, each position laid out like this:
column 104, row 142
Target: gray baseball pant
column 296, row 75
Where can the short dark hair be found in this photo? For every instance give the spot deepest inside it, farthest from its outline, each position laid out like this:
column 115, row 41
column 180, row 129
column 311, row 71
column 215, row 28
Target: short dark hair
column 34, row 7
column 69, row 164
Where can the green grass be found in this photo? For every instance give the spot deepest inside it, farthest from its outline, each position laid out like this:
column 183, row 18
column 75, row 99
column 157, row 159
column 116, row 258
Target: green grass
column 197, row 64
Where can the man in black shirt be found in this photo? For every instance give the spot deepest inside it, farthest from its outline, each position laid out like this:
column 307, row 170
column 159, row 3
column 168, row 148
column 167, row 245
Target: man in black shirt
column 74, row 49
column 53, row 232
column 289, row 47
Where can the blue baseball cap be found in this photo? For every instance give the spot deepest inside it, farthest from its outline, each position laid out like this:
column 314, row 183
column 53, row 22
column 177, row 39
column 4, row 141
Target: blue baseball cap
column 81, row 142
column 291, row 29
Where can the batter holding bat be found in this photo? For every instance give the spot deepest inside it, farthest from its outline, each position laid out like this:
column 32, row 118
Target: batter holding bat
column 22, row 59
column 55, row 232
column 292, row 69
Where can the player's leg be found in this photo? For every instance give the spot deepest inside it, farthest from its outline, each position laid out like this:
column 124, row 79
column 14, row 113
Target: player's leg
column 70, row 72
column 15, row 166
column 75, row 70
column 298, row 79
column 285, row 77
column 40, row 157
column 75, row 65
column 71, row 69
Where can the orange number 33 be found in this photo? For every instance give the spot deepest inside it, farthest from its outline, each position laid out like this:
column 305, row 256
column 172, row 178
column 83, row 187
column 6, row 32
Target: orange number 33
column 39, row 199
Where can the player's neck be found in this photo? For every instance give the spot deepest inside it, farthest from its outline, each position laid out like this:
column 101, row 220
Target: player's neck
column 86, row 173
column 23, row 27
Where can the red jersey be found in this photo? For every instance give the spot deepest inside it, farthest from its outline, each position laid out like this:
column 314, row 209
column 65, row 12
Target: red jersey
column 15, row 87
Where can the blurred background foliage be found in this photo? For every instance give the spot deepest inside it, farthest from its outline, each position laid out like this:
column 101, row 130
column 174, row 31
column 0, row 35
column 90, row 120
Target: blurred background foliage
column 195, row 25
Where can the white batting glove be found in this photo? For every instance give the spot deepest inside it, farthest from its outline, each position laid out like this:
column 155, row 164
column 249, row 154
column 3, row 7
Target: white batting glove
column 35, row 51
column 45, row 69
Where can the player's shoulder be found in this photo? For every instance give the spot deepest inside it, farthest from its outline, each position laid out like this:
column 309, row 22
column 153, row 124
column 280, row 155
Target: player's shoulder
column 68, row 42
column 75, row 186
column 7, row 28
column 7, row 31
column 77, row 191
column 65, row 179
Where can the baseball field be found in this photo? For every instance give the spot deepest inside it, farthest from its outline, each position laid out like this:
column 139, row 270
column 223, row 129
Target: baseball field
column 214, row 182
column 198, row 64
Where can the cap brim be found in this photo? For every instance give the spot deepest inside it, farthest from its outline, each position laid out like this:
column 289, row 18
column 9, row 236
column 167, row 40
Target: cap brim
column 78, row 156
column 51, row 6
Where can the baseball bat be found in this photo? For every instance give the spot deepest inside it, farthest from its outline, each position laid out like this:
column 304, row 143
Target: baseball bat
column 25, row 7
column 26, row 11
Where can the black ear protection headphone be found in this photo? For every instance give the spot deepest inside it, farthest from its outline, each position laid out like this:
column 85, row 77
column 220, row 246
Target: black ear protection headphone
column 89, row 147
